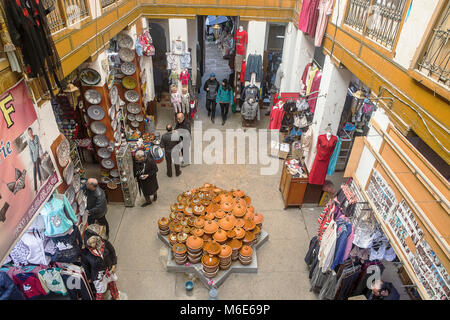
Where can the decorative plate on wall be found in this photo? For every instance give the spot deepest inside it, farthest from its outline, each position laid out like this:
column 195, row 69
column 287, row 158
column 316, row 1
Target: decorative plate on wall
column 125, row 41
column 139, row 118
column 105, row 180
column 108, row 163
column 70, row 194
column 68, row 173
column 114, row 173
column 74, row 206
column 112, row 185
column 96, row 112
column 76, row 183
column 63, row 152
column 100, row 141
column 126, row 55
column 129, row 83
column 131, row 117
column 113, row 95
column 103, row 153
column 133, row 108
column 93, row 96
column 90, row 77
column 98, row 127
column 128, row 68
column 131, row 96
column 134, row 124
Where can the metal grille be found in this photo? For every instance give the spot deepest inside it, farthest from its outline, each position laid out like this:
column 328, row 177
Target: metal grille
column 357, row 14
column 75, row 10
column 435, row 61
column 106, row 3
column 384, row 21
column 379, row 20
column 55, row 20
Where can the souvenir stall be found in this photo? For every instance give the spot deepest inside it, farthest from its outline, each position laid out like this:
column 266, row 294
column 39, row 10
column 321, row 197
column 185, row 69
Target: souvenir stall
column 212, row 232
column 348, row 246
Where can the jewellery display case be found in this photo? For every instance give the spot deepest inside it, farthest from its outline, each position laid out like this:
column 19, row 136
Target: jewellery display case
column 127, row 180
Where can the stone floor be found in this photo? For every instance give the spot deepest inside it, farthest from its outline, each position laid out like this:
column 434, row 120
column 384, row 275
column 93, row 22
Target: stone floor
column 142, row 256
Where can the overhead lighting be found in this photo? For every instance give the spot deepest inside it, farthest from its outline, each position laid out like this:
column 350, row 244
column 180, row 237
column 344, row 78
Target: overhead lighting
column 280, row 37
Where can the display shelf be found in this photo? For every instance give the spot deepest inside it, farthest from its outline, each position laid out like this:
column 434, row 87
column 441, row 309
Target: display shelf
column 127, row 180
column 222, row 275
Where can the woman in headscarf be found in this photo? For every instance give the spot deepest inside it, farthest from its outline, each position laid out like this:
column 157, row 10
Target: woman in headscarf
column 145, row 170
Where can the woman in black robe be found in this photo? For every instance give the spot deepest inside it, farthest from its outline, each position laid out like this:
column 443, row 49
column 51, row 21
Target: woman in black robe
column 145, row 170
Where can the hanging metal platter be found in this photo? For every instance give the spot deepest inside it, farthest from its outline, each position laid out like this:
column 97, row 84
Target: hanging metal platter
column 134, row 124
column 104, row 153
column 98, row 127
column 125, row 41
column 63, row 152
column 108, row 163
column 90, row 77
column 131, row 96
column 100, row 141
column 139, row 118
column 128, row 69
column 96, row 112
column 93, row 96
column 131, row 117
column 129, row 83
column 76, row 183
column 133, row 108
column 114, row 173
column 105, row 180
column 126, row 55
column 70, row 194
column 113, row 95
column 68, row 173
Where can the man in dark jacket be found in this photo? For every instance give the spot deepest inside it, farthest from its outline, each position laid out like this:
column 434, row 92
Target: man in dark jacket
column 211, row 87
column 168, row 141
column 383, row 291
column 184, row 124
column 145, row 170
column 96, row 206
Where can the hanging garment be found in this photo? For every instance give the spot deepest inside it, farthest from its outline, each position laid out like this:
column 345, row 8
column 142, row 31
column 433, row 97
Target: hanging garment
column 313, row 18
column 249, row 110
column 238, row 62
column 306, row 142
column 306, row 20
column 254, row 65
column 349, row 245
column 325, row 149
column 276, row 116
column 250, row 92
column 241, row 38
column 185, row 102
column 172, row 61
column 279, row 75
column 328, row 290
column 35, row 242
column 58, row 216
column 315, row 87
column 53, row 280
column 344, row 230
column 327, row 246
column 325, row 9
column 305, row 76
column 184, row 77
column 243, row 70
column 334, row 157
column 68, row 247
column 178, row 47
column 19, row 254
column 185, row 61
column 313, row 250
column 310, row 78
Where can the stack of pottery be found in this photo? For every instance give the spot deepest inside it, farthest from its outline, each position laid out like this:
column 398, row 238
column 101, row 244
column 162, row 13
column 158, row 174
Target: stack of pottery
column 246, row 255
column 235, row 246
column 220, row 236
column 194, row 247
column 259, row 219
column 172, row 239
column 163, row 225
column 225, row 257
column 249, row 239
column 210, row 265
column 180, row 253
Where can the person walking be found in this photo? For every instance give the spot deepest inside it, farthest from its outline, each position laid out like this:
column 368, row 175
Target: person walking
column 224, row 98
column 184, row 124
column 145, row 170
column 96, row 206
column 211, row 87
column 36, row 157
column 168, row 141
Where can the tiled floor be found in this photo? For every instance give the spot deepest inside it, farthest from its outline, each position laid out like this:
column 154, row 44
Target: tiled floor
column 142, row 256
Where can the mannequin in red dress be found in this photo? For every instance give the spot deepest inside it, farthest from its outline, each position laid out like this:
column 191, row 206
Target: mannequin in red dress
column 325, row 148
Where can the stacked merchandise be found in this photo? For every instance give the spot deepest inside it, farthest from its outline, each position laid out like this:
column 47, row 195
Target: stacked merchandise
column 66, row 117
column 349, row 242
column 218, row 224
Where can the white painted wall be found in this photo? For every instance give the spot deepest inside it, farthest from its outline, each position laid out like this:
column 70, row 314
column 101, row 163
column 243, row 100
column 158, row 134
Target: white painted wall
column 256, row 39
column 288, row 56
column 338, row 11
column 329, row 106
column 178, row 28
column 413, row 31
column 192, row 43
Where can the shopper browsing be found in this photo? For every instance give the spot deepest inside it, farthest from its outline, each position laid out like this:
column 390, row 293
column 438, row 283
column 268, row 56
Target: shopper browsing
column 224, row 98
column 96, row 206
column 383, row 291
column 211, row 87
column 184, row 124
column 169, row 140
column 145, row 170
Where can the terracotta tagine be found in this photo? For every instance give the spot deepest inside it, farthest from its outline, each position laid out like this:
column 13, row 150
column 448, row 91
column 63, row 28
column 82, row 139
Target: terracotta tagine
column 180, row 206
column 249, row 225
column 231, row 216
column 249, row 237
column 258, row 218
column 176, row 227
column 251, row 209
column 191, row 221
column 226, row 223
column 179, row 248
column 187, row 194
column 249, row 215
column 225, row 251
column 240, row 233
column 238, row 193
column 210, row 261
column 163, row 223
column 247, row 200
column 182, row 237
column 173, row 216
column 246, row 251
column 212, row 208
column 188, row 211
column 257, row 231
column 180, row 198
column 206, row 237
column 226, row 197
column 227, row 206
column 199, row 209
column 197, row 232
column 231, row 234
column 195, row 201
column 194, row 243
column 173, row 207
column 172, row 238
column 220, row 236
column 184, row 222
column 212, row 247
column 209, row 216
column 219, row 213
column 186, row 229
column 210, row 227
column 235, row 244
column 199, row 222
column 239, row 223
column 239, row 211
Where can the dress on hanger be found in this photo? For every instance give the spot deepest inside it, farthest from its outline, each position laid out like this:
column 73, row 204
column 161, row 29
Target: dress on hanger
column 325, row 9
column 315, row 86
column 276, row 116
column 243, row 69
column 313, row 18
column 310, row 78
column 306, row 142
column 184, row 77
column 325, row 149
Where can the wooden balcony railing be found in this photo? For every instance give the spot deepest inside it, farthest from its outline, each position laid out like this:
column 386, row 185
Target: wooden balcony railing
column 378, row 20
column 66, row 13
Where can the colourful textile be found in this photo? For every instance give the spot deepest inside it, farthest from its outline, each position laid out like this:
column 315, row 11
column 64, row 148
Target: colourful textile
column 325, row 149
column 312, row 99
column 334, row 157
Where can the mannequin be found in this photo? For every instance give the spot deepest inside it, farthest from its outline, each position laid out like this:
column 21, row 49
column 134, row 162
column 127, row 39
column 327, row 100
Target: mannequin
column 241, row 39
column 185, row 100
column 184, row 77
column 175, row 99
column 325, row 147
column 99, row 261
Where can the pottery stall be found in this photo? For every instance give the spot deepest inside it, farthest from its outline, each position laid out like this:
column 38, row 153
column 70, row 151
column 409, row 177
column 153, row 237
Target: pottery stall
column 212, row 232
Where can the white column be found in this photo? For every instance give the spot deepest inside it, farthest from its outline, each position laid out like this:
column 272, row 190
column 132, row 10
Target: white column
column 192, row 43
column 329, row 106
column 288, row 56
column 256, row 40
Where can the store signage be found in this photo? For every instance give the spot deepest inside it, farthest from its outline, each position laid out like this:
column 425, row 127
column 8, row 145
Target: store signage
column 27, row 170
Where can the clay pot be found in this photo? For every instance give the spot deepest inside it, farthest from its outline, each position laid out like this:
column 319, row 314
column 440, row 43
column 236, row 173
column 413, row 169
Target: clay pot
column 235, row 244
column 249, row 225
column 231, row 234
column 173, row 207
column 225, row 251
column 188, row 211
column 246, row 251
column 187, row 194
column 220, row 236
column 232, row 217
column 226, row 223
column 184, row 222
column 240, row 233
column 186, row 230
column 195, row 201
column 176, row 227
column 180, row 206
column 180, row 198
column 182, row 237
column 194, row 243
column 212, row 247
column 210, row 261
column 249, row 215
column 239, row 223
column 251, row 209
column 239, row 211
column 173, row 216
column 199, row 222
column 238, row 193
column 258, row 218
column 179, row 248
column 199, row 209
column 212, row 208
column 249, row 238
column 247, row 200
column 172, row 238
column 197, row 232
column 210, row 227
column 226, row 197
column 191, row 221
column 219, row 213
column 227, row 206
column 209, row 216
column 163, row 223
